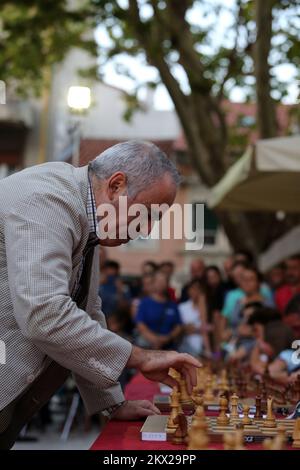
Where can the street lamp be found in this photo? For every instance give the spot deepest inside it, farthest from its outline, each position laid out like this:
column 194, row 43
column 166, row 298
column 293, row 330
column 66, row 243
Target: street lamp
column 79, row 98
column 79, row 101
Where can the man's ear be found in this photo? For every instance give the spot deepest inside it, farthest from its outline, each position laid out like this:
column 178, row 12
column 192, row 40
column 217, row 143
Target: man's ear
column 117, row 185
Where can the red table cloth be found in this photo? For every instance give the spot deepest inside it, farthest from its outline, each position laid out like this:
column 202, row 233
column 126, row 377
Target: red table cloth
column 125, row 435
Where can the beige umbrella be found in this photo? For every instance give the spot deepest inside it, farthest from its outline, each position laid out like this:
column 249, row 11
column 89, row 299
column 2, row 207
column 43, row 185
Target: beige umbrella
column 266, row 178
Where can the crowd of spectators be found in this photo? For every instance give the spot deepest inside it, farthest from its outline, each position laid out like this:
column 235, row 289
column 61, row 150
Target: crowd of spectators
column 231, row 312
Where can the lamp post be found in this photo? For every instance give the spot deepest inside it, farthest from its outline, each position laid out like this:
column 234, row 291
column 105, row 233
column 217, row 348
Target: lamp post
column 79, row 101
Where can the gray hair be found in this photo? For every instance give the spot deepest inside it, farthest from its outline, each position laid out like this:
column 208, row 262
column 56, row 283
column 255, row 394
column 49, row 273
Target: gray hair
column 143, row 163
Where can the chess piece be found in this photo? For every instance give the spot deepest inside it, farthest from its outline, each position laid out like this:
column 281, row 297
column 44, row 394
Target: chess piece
column 296, row 434
column 198, row 403
column 208, row 393
column 196, row 398
column 270, row 421
column 246, row 419
column 175, row 409
column 198, row 436
column 239, row 440
column 258, row 412
column 229, row 441
column 278, row 442
column 184, row 396
column 199, row 415
column 222, row 419
column 223, row 386
column 180, row 434
column 234, row 414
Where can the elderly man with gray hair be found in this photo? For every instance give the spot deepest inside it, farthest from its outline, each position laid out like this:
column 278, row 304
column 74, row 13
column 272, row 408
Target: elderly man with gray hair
column 50, row 313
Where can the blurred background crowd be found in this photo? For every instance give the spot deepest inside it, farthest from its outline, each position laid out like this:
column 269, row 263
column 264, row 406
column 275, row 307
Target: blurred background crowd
column 231, row 312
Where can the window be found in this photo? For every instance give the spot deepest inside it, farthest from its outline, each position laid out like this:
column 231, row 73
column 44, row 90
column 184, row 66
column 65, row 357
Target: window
column 211, row 224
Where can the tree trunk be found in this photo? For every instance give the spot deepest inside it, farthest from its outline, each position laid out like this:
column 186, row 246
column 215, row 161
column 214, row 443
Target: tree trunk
column 266, row 113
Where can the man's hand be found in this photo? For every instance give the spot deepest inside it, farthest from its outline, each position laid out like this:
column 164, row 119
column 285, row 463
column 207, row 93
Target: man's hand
column 136, row 409
column 155, row 365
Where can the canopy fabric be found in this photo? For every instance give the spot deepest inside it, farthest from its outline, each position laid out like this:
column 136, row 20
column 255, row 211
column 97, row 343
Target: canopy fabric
column 266, row 178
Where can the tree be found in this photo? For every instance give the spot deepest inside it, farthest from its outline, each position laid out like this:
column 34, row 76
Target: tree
column 177, row 37
column 174, row 34
column 36, row 34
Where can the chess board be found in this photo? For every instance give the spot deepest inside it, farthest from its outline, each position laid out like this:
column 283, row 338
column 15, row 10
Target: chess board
column 162, row 402
column 154, row 429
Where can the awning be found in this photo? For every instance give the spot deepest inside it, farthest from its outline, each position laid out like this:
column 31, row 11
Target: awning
column 266, row 178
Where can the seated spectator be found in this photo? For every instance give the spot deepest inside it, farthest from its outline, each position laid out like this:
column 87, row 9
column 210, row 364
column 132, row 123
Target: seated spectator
column 112, row 291
column 244, row 256
column 147, row 282
column 250, row 285
column 236, row 295
column 284, row 365
column 167, row 268
column 291, row 315
column 215, row 294
column 272, row 337
column 241, row 332
column 149, row 267
column 227, row 267
column 158, row 321
column 193, row 315
column 276, row 277
column 292, row 283
column 197, row 270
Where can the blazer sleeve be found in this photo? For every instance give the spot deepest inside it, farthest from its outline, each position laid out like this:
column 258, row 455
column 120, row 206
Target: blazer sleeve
column 39, row 236
column 95, row 399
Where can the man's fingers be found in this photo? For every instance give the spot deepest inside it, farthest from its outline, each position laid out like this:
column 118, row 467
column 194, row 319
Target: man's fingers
column 150, row 406
column 189, row 374
column 142, row 412
column 186, row 359
column 170, row 382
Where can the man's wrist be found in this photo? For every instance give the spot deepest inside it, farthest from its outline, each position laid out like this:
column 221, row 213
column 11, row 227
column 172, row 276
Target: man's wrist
column 110, row 411
column 137, row 358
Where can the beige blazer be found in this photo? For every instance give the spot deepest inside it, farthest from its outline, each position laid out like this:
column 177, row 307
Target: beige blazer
column 43, row 231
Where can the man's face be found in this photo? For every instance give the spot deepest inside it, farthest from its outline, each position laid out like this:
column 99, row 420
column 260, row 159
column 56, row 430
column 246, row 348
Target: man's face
column 249, row 282
column 292, row 274
column 293, row 321
column 163, row 191
column 237, row 274
column 197, row 268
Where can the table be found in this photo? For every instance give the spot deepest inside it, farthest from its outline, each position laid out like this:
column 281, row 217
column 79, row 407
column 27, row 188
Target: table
column 125, row 435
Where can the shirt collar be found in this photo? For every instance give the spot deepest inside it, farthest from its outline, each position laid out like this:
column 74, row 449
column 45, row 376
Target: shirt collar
column 91, row 210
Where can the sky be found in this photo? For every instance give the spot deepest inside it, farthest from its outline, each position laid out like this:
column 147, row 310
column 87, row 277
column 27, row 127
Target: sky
column 143, row 73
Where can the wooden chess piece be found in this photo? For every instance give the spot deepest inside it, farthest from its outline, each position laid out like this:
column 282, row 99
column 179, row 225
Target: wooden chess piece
column 223, row 419
column 296, row 434
column 223, row 386
column 258, row 411
column 199, row 415
column 234, row 414
column 229, row 441
column 246, row 419
column 196, row 398
column 239, row 440
column 180, row 434
column 198, row 436
column 270, row 421
column 175, row 409
column 208, row 394
column 278, row 442
column 185, row 398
